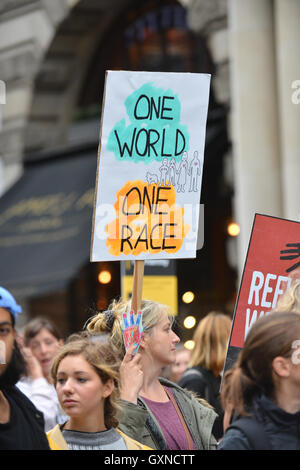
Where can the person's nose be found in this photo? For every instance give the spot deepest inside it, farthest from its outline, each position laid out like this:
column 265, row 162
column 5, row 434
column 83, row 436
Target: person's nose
column 175, row 338
column 43, row 349
column 68, row 386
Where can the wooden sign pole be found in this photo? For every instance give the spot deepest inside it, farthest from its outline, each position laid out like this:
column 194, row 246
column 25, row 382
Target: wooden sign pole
column 137, row 290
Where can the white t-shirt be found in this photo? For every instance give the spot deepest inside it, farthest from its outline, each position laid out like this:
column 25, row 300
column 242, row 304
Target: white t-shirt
column 43, row 396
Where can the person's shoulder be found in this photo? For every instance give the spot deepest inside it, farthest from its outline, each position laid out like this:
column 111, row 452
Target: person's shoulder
column 24, row 403
column 56, row 440
column 24, row 380
column 188, row 395
column 130, row 443
column 234, row 439
column 24, row 384
column 176, row 388
column 193, row 375
column 16, row 394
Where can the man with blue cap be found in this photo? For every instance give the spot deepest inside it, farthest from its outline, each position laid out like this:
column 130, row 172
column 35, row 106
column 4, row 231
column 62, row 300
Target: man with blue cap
column 21, row 424
column 8, row 302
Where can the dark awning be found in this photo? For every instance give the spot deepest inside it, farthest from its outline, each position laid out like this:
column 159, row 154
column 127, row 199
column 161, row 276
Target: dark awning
column 45, row 224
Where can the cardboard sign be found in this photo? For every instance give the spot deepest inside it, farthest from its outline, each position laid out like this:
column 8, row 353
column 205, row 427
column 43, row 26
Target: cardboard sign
column 273, row 255
column 150, row 166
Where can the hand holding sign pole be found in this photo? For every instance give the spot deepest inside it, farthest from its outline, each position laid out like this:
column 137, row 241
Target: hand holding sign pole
column 132, row 327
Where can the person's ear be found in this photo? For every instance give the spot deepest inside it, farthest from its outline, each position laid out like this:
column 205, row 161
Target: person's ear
column 281, row 366
column 61, row 342
column 108, row 388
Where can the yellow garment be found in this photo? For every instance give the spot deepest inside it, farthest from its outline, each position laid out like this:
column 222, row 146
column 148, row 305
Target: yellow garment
column 57, row 441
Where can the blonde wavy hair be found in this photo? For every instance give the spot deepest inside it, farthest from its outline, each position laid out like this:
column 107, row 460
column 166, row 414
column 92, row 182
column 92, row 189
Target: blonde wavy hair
column 211, row 340
column 290, row 300
column 152, row 313
column 103, row 361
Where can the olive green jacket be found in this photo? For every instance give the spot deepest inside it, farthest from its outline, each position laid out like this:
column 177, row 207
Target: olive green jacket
column 139, row 423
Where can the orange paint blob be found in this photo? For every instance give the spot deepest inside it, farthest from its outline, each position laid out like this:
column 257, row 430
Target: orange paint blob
column 148, row 220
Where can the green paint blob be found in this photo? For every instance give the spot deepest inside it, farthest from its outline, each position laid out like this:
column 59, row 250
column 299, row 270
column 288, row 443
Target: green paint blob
column 154, row 132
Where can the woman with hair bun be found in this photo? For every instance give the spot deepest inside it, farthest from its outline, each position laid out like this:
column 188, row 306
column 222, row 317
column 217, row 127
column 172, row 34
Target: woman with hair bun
column 155, row 411
column 263, row 388
column 86, row 377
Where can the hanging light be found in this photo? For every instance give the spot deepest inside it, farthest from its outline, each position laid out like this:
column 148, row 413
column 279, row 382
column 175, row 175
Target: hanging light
column 104, row 277
column 189, row 322
column 188, row 297
column 233, row 229
column 189, row 344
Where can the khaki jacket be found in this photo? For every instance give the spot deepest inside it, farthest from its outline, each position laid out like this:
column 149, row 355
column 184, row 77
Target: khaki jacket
column 57, row 441
column 138, row 422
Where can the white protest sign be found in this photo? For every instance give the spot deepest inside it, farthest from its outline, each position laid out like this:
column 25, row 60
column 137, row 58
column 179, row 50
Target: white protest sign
column 150, row 165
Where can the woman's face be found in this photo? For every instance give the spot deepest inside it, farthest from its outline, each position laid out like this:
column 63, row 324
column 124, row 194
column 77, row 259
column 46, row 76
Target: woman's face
column 180, row 364
column 161, row 342
column 44, row 347
column 79, row 388
column 295, row 364
column 286, row 373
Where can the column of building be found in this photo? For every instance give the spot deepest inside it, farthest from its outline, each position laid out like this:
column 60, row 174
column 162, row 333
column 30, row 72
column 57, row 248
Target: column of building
column 254, row 114
column 287, row 29
column 26, row 29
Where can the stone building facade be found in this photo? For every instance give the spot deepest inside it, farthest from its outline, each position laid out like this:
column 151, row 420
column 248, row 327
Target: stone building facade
column 45, row 48
column 45, row 51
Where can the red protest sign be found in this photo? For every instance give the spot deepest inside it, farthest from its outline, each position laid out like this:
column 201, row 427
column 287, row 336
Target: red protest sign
column 273, row 255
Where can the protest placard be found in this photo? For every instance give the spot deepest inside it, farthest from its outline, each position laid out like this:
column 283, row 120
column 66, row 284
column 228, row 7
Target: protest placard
column 150, row 166
column 272, row 258
column 149, row 171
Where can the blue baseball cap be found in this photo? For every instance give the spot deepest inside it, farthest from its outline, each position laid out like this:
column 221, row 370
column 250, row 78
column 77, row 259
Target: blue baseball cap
column 8, row 302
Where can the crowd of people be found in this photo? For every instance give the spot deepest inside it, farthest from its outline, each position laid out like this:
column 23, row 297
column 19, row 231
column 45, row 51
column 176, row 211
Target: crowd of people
column 88, row 392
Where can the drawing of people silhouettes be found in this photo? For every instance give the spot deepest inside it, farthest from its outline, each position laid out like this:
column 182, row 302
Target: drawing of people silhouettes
column 194, row 173
column 182, row 173
column 164, row 170
column 172, row 172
